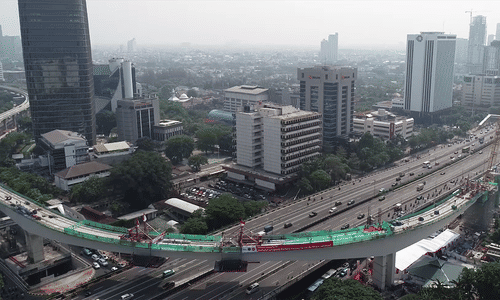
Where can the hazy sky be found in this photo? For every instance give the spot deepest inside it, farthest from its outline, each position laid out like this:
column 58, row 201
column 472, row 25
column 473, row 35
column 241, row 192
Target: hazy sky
column 364, row 24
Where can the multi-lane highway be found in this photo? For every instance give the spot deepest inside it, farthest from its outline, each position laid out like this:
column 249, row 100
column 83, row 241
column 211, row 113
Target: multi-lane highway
column 273, row 274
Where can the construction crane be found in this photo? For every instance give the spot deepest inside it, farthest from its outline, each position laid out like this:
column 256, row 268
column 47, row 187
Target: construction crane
column 471, row 12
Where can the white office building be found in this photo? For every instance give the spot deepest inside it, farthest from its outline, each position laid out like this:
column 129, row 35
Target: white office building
column 429, row 71
column 272, row 141
column 238, row 96
column 330, row 49
column 383, row 124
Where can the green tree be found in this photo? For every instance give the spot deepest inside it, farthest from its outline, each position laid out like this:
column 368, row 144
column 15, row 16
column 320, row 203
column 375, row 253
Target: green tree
column 207, row 139
column 142, row 179
column 226, row 143
column 91, row 190
column 196, row 224
column 335, row 288
column 253, row 207
column 179, row 147
column 145, row 144
column 320, row 180
column 196, row 161
column 223, row 210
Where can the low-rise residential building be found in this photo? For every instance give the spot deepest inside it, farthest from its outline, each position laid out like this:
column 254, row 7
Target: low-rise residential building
column 383, row 124
column 67, row 178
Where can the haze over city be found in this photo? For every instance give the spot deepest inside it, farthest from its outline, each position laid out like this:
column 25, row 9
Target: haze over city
column 360, row 24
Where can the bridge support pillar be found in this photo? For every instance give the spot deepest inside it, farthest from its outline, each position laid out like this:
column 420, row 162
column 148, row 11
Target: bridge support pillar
column 34, row 245
column 384, row 270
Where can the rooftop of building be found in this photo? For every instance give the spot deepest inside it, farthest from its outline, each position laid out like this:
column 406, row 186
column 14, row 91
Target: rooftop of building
column 83, row 169
column 380, row 115
column 112, row 147
column 182, row 205
column 220, row 114
column 247, row 89
column 138, row 214
column 167, row 123
column 58, row 136
column 260, row 173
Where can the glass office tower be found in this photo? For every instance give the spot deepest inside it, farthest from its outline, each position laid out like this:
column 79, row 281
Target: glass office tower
column 58, row 63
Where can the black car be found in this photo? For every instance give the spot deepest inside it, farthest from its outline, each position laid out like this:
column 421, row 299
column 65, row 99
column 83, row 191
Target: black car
column 411, row 174
column 381, row 198
column 420, row 218
column 338, row 203
column 287, row 225
column 361, row 216
column 351, row 202
column 313, row 214
column 88, row 293
column 396, row 223
column 420, row 197
column 345, row 226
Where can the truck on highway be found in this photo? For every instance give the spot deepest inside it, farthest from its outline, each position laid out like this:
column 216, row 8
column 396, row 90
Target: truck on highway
column 420, row 186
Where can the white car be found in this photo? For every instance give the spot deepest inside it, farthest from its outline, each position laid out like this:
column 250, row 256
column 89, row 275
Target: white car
column 103, row 262
column 114, row 268
column 127, row 296
column 95, row 257
column 333, row 209
column 96, row 265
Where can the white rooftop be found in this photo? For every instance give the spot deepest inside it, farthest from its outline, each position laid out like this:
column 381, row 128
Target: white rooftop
column 182, row 205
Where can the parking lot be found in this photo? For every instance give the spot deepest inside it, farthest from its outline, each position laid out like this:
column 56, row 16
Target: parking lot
column 203, row 193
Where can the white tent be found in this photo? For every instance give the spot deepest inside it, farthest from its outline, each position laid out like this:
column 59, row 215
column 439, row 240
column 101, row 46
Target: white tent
column 407, row 256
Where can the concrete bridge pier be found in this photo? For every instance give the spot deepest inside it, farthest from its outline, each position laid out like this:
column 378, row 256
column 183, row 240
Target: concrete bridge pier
column 384, row 270
column 34, row 245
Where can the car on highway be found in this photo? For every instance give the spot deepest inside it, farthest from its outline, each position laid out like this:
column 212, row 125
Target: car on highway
column 481, row 152
column 394, row 183
column 419, row 197
column 421, row 218
column 361, row 216
column 337, row 203
column 411, row 174
column 442, row 173
column 168, row 273
column 382, row 190
column 169, row 285
column 127, row 296
column 345, row 226
column 456, row 152
column 398, row 178
column 381, row 198
column 88, row 293
column 313, row 214
column 254, row 287
column 396, row 223
column 95, row 265
column 351, row 202
column 286, row 225
column 332, row 210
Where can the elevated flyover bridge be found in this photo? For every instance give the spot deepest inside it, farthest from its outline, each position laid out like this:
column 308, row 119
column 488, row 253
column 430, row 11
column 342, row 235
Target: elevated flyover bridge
column 379, row 240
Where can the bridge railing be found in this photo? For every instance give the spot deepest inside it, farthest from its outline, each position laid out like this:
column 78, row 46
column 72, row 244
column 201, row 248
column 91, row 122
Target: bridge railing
column 110, row 228
column 430, row 207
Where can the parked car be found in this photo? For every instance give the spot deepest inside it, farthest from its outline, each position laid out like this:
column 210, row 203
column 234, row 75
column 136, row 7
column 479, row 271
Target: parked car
column 103, row 262
column 95, row 265
column 95, row 257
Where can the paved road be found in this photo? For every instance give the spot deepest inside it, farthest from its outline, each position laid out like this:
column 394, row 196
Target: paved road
column 144, row 283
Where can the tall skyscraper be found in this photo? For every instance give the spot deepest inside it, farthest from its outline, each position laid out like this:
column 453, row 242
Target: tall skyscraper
column 58, row 64
column 491, row 38
column 497, row 36
column 477, row 40
column 329, row 49
column 329, row 91
column 131, row 45
column 429, row 71
column 461, row 50
column 491, row 65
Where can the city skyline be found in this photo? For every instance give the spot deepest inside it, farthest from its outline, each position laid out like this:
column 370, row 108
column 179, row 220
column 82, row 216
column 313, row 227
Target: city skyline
column 378, row 24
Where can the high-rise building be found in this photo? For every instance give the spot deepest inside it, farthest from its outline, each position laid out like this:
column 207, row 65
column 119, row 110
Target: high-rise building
column 330, row 91
column 480, row 92
column 477, row 39
column 58, row 65
column 10, row 46
column 238, row 96
column 491, row 38
column 429, row 71
column 132, row 45
column 329, row 49
column 491, row 64
column 136, row 118
column 497, row 35
column 461, row 50
column 1, row 72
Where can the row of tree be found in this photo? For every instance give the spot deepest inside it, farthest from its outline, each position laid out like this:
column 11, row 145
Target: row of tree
column 320, row 173
column 221, row 211
column 28, row 184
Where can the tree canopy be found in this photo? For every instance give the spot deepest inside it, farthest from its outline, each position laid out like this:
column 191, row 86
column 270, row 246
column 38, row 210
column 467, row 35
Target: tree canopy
column 142, row 179
column 337, row 289
column 178, row 148
column 28, row 184
column 196, row 161
column 91, row 190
